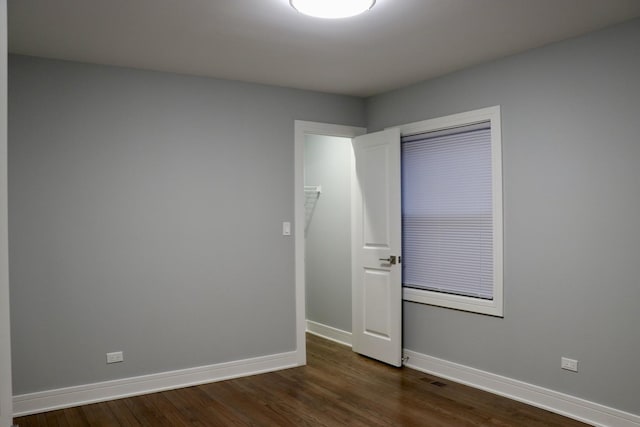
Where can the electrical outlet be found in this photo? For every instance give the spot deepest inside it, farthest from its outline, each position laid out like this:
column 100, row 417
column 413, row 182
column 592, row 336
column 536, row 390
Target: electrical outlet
column 115, row 357
column 569, row 364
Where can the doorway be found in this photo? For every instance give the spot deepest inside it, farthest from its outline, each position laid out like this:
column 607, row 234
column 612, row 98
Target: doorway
column 375, row 240
column 307, row 133
column 327, row 190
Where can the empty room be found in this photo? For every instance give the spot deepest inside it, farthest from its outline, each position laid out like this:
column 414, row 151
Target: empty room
column 279, row 212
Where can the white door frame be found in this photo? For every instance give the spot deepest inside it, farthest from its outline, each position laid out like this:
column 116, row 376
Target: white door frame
column 6, row 404
column 303, row 128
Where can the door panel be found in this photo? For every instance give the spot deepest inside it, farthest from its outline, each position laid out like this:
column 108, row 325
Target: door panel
column 374, row 173
column 377, row 291
column 376, row 241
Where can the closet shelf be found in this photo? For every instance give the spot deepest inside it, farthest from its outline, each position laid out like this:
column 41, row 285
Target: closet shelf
column 313, row 189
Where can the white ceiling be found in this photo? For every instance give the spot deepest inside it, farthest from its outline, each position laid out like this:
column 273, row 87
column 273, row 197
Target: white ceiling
column 396, row 43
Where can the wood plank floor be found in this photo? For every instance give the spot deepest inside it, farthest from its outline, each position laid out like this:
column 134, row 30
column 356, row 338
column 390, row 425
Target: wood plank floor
column 336, row 388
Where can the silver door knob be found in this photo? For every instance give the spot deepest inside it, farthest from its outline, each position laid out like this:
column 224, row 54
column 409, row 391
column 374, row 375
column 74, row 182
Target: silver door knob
column 391, row 260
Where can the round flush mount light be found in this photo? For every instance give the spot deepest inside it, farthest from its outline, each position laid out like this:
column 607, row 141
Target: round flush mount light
column 332, row 9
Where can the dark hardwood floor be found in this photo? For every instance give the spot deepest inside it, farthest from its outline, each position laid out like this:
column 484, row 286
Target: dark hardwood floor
column 336, row 388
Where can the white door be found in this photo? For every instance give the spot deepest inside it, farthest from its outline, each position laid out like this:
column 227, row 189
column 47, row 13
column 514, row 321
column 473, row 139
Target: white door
column 376, row 247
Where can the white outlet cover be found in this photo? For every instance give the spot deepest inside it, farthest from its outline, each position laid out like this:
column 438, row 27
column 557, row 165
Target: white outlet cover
column 569, row 364
column 115, row 357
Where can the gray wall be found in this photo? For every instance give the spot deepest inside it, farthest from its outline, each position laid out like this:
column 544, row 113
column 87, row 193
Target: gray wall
column 328, row 236
column 571, row 147
column 6, row 404
column 145, row 216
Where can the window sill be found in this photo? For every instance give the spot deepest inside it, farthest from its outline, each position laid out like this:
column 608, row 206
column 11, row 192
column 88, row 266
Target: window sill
column 458, row 302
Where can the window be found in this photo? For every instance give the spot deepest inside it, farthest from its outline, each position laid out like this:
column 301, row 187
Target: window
column 452, row 212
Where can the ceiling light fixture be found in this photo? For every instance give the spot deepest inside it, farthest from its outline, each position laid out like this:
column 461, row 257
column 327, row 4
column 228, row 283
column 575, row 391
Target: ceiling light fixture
column 332, row 9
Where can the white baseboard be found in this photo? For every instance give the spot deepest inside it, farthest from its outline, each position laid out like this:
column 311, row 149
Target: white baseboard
column 560, row 403
column 49, row 400
column 329, row 332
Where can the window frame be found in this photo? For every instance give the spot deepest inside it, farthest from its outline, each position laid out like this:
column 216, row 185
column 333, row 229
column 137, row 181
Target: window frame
column 494, row 307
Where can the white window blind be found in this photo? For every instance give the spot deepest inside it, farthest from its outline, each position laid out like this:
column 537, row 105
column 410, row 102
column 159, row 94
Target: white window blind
column 447, row 211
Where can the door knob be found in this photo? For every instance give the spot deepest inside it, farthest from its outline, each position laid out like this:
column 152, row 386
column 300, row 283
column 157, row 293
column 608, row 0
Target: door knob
column 391, row 260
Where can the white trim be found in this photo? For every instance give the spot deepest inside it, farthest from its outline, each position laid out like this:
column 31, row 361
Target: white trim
column 451, row 121
column 5, row 330
column 560, row 403
column 329, row 333
column 493, row 307
column 303, row 128
column 43, row 401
